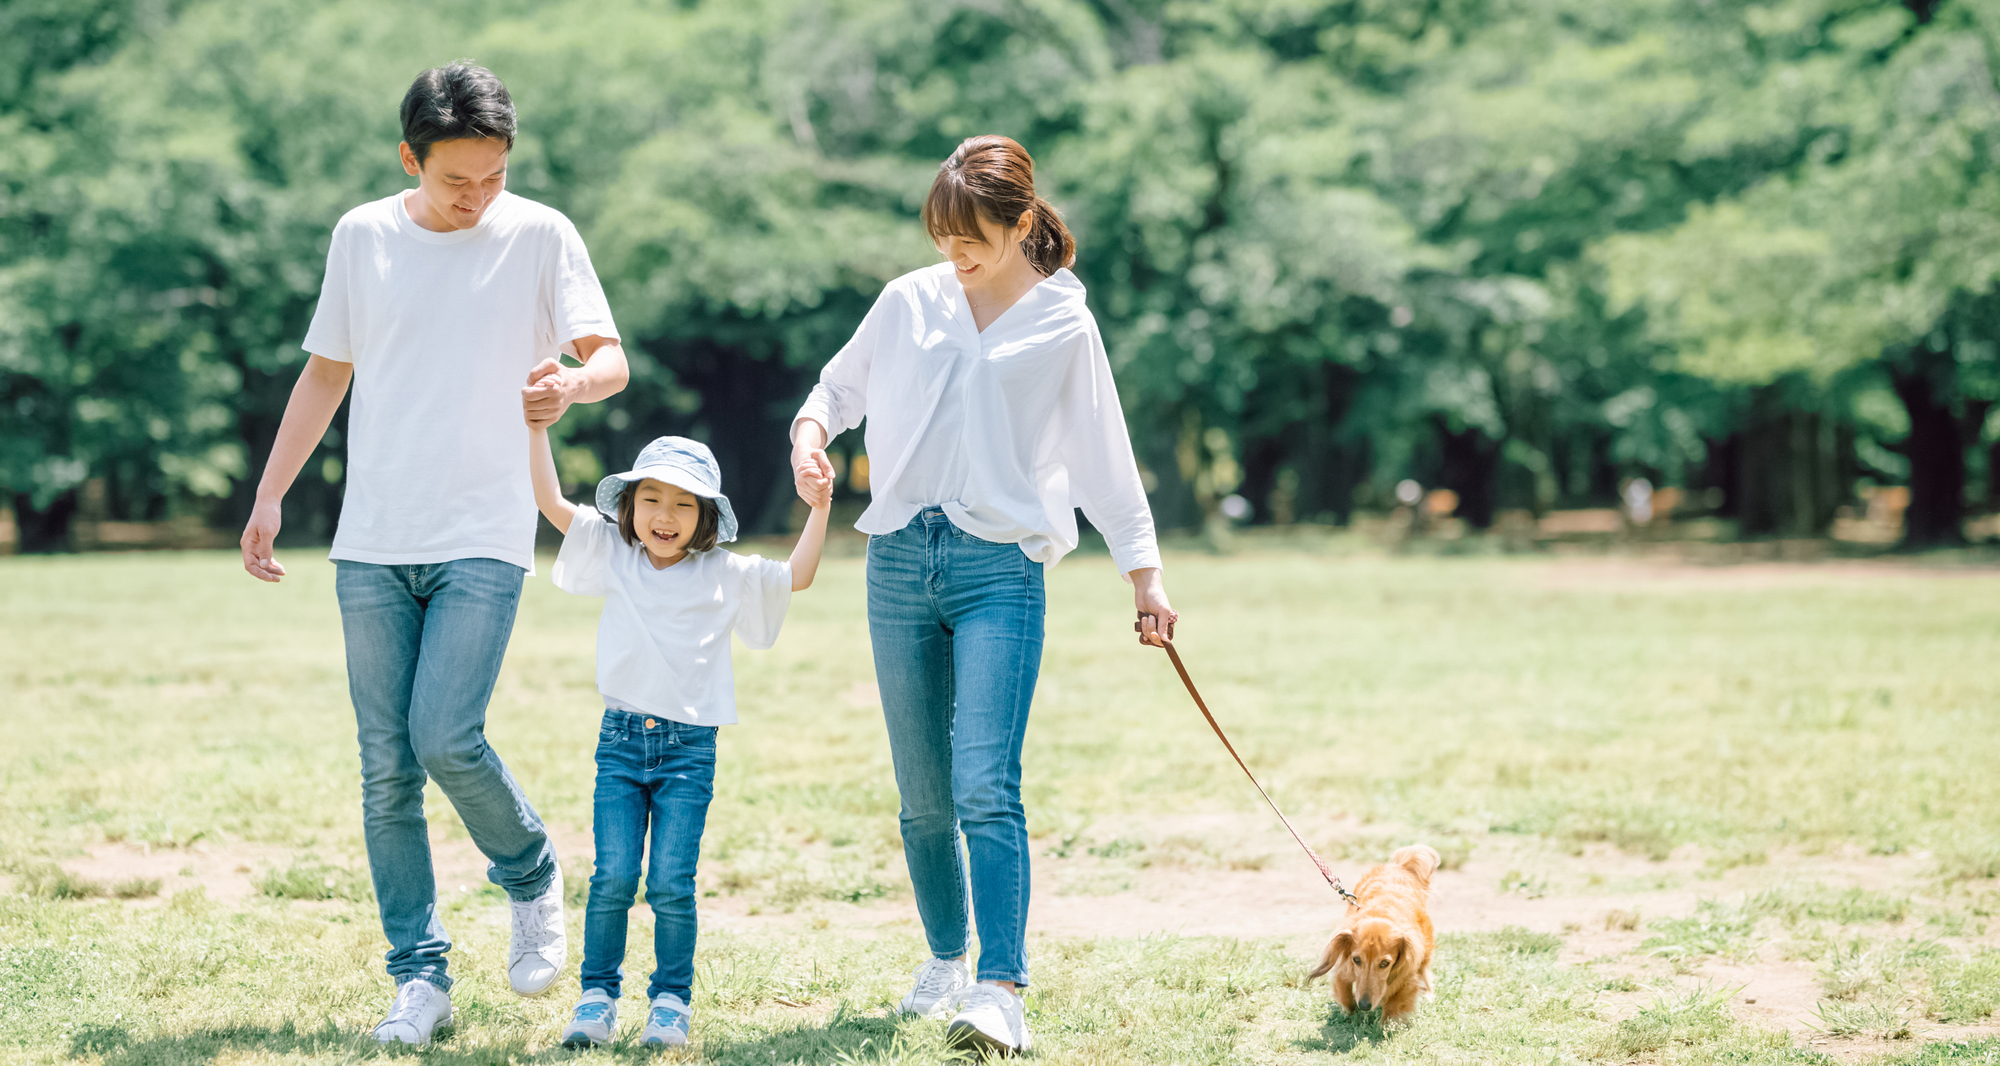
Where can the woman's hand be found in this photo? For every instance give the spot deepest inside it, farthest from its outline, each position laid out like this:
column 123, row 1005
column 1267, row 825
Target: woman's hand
column 1156, row 615
column 812, row 471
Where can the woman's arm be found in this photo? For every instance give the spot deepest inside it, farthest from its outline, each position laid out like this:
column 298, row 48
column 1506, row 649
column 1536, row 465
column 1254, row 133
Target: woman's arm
column 307, row 414
column 548, row 488
column 840, row 401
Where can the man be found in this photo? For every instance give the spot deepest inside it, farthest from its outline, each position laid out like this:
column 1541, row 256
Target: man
column 438, row 303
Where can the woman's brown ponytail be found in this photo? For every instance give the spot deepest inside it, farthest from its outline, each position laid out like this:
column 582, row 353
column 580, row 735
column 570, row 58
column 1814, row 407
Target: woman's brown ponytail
column 1049, row 245
column 992, row 177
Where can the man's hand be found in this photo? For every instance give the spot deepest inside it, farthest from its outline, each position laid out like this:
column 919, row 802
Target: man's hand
column 547, row 394
column 258, row 534
column 1156, row 615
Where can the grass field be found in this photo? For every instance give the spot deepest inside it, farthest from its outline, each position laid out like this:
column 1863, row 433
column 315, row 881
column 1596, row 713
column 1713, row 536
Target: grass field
column 1657, row 786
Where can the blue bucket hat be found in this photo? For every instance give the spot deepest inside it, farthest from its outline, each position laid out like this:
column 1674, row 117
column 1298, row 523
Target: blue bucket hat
column 680, row 462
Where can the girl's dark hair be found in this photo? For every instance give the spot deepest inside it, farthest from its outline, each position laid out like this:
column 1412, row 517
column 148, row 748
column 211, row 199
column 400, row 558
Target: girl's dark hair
column 453, row 102
column 992, row 177
column 706, row 528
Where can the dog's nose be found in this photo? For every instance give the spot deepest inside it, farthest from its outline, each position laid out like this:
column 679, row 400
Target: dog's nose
column 1366, row 1004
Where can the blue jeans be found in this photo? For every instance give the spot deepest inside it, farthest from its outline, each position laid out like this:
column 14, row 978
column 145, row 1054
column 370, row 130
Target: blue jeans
column 957, row 626
column 424, row 644
column 649, row 770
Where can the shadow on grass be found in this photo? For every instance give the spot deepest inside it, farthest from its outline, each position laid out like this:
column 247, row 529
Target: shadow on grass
column 1342, row 1032
column 843, row 1039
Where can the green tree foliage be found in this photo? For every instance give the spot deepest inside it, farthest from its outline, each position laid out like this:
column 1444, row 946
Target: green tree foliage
column 1521, row 249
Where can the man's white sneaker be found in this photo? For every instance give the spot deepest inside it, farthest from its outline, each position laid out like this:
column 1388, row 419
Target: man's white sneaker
column 541, row 942
column 420, row 1009
column 990, row 1018
column 594, row 1020
column 938, row 983
column 667, row 1022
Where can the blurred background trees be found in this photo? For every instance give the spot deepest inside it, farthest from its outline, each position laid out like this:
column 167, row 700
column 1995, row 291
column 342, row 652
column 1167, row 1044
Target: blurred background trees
column 1524, row 250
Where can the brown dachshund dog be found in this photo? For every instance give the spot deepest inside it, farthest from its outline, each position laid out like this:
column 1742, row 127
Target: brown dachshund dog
column 1382, row 957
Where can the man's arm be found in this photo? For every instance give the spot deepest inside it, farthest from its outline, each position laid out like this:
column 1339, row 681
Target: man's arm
column 552, row 387
column 314, row 400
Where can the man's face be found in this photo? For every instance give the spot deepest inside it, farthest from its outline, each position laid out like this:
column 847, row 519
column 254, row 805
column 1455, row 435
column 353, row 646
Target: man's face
column 456, row 182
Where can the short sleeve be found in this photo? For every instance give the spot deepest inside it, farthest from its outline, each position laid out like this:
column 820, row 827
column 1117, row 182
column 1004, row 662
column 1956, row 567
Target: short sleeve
column 583, row 566
column 764, row 592
column 577, row 307
column 330, row 335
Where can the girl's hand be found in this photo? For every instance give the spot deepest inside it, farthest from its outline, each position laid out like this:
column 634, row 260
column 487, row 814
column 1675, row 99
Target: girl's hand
column 812, row 475
column 1156, row 615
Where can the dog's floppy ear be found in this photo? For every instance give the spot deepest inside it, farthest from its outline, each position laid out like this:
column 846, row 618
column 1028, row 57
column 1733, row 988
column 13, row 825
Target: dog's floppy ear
column 1337, row 951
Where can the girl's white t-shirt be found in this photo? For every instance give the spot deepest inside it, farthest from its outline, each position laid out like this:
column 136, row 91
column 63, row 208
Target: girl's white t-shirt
column 663, row 640
column 442, row 329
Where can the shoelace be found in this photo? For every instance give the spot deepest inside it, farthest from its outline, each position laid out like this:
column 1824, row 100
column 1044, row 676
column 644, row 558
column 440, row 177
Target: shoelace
column 665, row 1017
column 411, row 1000
column 593, row 1011
column 984, row 995
column 935, row 978
column 532, row 928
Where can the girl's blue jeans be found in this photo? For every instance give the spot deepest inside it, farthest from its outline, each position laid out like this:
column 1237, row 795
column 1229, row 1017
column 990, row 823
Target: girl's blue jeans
column 956, row 622
column 424, row 644
column 654, row 780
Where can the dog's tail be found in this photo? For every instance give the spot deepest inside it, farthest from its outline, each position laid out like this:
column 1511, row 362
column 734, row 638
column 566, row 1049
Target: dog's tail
column 1420, row 859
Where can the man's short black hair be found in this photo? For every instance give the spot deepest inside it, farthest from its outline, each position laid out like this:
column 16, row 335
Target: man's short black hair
column 453, row 102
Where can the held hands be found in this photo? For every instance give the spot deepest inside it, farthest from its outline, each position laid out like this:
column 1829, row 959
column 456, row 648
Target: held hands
column 812, row 475
column 1156, row 616
column 547, row 394
column 258, row 534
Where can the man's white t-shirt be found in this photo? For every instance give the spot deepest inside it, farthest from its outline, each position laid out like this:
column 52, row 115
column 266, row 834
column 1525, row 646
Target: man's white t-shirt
column 442, row 329
column 663, row 640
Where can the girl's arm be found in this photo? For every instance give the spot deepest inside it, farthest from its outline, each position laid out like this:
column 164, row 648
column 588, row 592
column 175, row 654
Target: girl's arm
column 805, row 557
column 548, row 488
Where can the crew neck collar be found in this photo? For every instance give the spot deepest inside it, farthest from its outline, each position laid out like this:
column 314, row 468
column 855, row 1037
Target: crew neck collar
column 429, row 236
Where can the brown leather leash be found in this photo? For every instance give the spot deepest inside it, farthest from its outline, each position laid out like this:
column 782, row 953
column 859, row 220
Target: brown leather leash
column 1167, row 641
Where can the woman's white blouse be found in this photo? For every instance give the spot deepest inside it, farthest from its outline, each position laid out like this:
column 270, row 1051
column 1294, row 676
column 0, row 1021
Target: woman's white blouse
column 1032, row 431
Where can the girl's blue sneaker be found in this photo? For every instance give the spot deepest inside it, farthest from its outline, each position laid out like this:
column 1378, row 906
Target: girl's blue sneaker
column 667, row 1022
column 596, row 1018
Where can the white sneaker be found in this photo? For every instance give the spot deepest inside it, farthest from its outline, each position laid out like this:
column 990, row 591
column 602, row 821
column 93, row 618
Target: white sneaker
column 541, row 942
column 667, row 1023
column 593, row 1022
column 938, row 983
column 990, row 1018
column 420, row 1008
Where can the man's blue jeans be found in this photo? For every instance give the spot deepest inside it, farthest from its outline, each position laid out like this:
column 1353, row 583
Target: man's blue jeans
column 654, row 779
column 424, row 644
column 956, row 622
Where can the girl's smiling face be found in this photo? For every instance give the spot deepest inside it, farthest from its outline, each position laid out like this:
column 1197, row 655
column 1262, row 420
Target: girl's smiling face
column 665, row 518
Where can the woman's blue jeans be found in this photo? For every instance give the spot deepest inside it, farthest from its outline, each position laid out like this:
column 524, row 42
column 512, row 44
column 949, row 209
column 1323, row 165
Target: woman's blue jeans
column 957, row 626
column 424, row 644
column 654, row 779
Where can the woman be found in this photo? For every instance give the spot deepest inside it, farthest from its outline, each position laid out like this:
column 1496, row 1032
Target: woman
column 991, row 414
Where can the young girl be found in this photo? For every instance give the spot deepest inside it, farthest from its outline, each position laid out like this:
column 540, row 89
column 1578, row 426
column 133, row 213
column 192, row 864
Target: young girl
column 671, row 599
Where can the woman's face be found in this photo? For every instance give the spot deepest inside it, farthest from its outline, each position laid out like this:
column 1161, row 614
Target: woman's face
column 996, row 252
column 664, row 516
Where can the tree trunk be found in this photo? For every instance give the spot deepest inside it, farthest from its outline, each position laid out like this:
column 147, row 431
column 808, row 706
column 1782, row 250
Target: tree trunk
column 1935, row 448
column 46, row 529
column 1786, row 469
column 1332, row 462
column 1471, row 468
column 1172, row 496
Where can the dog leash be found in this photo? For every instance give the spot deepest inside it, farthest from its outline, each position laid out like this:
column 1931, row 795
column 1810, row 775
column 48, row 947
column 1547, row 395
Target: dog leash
column 1167, row 641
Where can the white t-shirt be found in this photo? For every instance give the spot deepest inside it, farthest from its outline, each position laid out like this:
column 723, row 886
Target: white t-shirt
column 442, row 329
column 663, row 640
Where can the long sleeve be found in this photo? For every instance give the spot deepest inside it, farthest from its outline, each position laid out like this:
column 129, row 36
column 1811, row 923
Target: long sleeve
column 840, row 400
column 1096, row 450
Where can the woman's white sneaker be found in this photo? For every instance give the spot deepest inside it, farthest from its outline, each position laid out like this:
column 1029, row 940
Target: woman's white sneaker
column 990, row 1018
column 667, row 1023
column 421, row 1008
column 938, row 984
column 540, row 944
column 594, row 1020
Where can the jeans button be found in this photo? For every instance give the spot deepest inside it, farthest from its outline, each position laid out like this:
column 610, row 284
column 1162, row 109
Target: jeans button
column 650, row 723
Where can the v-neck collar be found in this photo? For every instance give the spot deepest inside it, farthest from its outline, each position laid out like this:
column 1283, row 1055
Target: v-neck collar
column 965, row 305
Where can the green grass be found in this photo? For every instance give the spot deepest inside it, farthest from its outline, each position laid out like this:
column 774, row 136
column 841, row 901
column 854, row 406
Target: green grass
column 170, row 702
